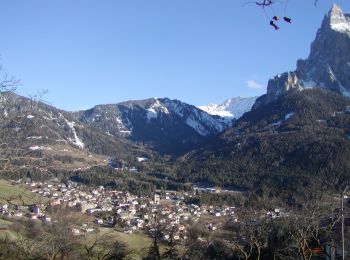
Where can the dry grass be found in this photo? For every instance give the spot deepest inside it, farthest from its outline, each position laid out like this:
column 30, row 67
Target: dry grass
column 138, row 242
column 8, row 191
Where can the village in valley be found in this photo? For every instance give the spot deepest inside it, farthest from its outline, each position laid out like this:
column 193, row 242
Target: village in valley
column 123, row 211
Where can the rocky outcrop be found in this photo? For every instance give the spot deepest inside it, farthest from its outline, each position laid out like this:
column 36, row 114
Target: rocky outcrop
column 328, row 64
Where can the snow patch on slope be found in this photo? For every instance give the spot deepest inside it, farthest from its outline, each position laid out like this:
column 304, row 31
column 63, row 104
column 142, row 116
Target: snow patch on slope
column 338, row 21
column 308, row 84
column 35, row 148
column 142, row 159
column 341, row 27
column 34, row 137
column 76, row 140
column 202, row 122
column 344, row 91
column 214, row 109
column 199, row 128
column 289, row 115
column 155, row 108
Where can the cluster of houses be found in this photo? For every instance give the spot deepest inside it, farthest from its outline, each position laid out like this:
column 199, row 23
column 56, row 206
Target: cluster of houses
column 122, row 210
column 17, row 211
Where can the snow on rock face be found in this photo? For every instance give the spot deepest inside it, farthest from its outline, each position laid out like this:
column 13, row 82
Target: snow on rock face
column 217, row 124
column 205, row 124
column 289, row 115
column 237, row 106
column 142, row 159
column 128, row 132
column 278, row 123
column 199, row 128
column 35, row 148
column 230, row 108
column 155, row 108
column 338, row 21
column 200, row 121
column 308, row 84
column 119, row 120
column 34, row 137
column 344, row 91
column 210, row 109
column 75, row 141
column 151, row 113
column 128, row 118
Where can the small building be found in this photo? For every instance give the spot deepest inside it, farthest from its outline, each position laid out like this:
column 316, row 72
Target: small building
column 46, row 219
column 36, row 210
column 75, row 231
column 98, row 221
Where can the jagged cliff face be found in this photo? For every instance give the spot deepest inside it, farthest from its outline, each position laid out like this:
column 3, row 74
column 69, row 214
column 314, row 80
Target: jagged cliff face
column 328, row 65
column 278, row 86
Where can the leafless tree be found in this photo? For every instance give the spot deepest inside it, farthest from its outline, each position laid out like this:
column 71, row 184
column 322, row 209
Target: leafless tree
column 7, row 84
column 305, row 227
column 103, row 246
column 92, row 243
column 197, row 240
column 172, row 251
column 250, row 234
column 270, row 5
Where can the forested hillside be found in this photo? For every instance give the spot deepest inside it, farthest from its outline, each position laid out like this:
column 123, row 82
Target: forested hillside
column 298, row 143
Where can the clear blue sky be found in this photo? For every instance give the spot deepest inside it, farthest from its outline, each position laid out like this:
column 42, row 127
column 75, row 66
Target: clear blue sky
column 88, row 52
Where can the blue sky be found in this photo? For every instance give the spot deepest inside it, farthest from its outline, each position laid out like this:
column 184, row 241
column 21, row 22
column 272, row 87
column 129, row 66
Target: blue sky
column 88, row 52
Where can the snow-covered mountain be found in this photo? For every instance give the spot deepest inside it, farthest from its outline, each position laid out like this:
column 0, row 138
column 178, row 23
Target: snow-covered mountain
column 230, row 108
column 328, row 64
column 164, row 124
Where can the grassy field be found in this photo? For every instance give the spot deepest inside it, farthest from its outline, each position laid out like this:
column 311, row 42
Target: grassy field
column 138, row 243
column 81, row 158
column 4, row 223
column 4, row 231
column 8, row 190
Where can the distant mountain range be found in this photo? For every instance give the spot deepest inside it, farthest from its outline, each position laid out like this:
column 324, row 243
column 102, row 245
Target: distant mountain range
column 168, row 126
column 295, row 137
column 230, row 108
column 160, row 124
column 38, row 136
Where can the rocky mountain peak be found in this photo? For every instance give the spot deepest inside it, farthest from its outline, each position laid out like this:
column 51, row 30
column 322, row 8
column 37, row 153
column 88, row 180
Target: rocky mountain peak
column 335, row 11
column 328, row 64
column 338, row 21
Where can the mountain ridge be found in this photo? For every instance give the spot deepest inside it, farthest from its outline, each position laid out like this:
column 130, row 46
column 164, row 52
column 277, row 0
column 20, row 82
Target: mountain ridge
column 37, row 132
column 162, row 123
